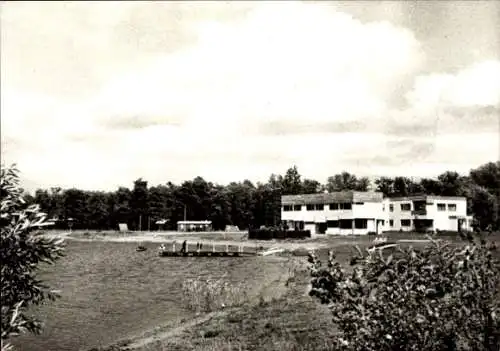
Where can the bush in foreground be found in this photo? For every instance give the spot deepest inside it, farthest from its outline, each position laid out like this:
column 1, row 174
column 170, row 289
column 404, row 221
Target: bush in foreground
column 22, row 250
column 442, row 297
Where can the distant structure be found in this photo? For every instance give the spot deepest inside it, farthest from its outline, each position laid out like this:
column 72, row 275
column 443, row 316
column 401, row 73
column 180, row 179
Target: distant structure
column 360, row 213
column 194, row 226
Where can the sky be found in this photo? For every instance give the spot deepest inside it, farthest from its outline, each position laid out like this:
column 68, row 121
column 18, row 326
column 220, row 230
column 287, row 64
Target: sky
column 97, row 94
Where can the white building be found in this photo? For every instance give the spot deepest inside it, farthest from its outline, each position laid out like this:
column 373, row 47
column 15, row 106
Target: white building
column 353, row 212
column 194, row 226
column 349, row 212
column 426, row 213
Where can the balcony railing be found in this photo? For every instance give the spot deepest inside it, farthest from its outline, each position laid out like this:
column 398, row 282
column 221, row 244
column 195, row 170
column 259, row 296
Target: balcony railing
column 422, row 212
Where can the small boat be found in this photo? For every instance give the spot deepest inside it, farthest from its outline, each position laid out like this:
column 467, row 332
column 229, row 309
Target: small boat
column 140, row 248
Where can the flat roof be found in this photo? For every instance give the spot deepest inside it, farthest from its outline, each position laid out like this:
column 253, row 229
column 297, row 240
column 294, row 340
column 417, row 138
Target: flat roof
column 426, row 197
column 336, row 197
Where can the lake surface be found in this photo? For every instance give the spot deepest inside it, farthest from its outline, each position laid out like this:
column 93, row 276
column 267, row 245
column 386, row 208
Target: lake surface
column 110, row 292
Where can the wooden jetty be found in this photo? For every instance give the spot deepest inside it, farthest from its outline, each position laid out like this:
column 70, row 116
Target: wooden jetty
column 164, row 252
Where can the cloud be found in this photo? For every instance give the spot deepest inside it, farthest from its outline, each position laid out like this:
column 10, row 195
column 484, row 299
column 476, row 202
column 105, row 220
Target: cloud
column 174, row 92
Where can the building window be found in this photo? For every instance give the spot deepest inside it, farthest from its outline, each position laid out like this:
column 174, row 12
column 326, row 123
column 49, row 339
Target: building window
column 441, row 207
column 359, row 203
column 334, row 207
column 332, row 224
column 391, row 207
column 345, row 224
column 405, row 207
column 345, row 206
column 287, row 208
column 452, row 207
column 360, row 223
column 310, row 207
column 297, row 207
column 391, row 222
column 405, row 222
column 319, row 207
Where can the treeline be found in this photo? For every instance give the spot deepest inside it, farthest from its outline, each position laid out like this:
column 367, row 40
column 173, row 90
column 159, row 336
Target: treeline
column 245, row 204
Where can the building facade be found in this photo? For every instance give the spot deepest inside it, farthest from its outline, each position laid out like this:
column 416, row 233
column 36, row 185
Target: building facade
column 342, row 213
column 194, row 226
column 427, row 213
column 359, row 213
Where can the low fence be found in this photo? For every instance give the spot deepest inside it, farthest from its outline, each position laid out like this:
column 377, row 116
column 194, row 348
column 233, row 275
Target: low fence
column 269, row 234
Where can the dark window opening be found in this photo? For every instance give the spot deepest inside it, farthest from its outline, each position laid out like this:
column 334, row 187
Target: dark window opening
column 346, row 206
column 406, row 222
column 405, row 207
column 287, row 208
column 319, row 207
column 297, row 207
column 345, row 224
column 334, row 207
column 310, row 207
column 333, row 224
column 360, row 223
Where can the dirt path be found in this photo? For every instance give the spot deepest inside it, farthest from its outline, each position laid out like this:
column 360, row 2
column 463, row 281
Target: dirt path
column 143, row 341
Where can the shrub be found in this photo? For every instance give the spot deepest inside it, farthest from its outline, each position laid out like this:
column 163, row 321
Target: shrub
column 22, row 249
column 207, row 295
column 441, row 297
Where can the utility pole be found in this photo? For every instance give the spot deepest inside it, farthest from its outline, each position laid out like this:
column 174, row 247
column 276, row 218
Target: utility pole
column 140, row 223
column 149, row 223
column 184, row 212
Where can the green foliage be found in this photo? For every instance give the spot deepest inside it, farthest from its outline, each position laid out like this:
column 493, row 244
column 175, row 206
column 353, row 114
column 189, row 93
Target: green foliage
column 442, row 297
column 246, row 205
column 23, row 249
column 346, row 181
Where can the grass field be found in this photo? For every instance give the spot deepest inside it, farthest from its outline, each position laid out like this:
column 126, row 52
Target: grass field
column 113, row 295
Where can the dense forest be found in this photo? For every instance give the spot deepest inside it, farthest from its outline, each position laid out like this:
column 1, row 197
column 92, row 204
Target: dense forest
column 245, row 204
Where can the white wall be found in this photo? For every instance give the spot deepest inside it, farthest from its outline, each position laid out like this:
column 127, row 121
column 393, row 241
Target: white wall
column 381, row 210
column 441, row 219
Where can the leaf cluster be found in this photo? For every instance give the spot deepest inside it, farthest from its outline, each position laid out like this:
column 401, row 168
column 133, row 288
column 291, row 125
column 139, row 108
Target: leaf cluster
column 441, row 297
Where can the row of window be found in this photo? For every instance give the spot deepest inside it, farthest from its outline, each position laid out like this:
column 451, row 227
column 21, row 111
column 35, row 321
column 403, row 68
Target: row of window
column 320, row 207
column 440, row 207
column 348, row 206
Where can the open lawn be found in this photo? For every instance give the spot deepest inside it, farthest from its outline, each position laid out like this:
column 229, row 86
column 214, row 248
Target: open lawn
column 113, row 295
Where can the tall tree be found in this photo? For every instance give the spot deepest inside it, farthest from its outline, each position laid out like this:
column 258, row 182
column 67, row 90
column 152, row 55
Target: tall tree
column 139, row 203
column 452, row 184
column 98, row 210
column 488, row 176
column 310, row 186
column 75, row 207
column 385, row 185
column 292, row 184
column 341, row 182
column 362, row 184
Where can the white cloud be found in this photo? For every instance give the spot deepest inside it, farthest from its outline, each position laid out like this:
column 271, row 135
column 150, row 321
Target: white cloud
column 200, row 110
